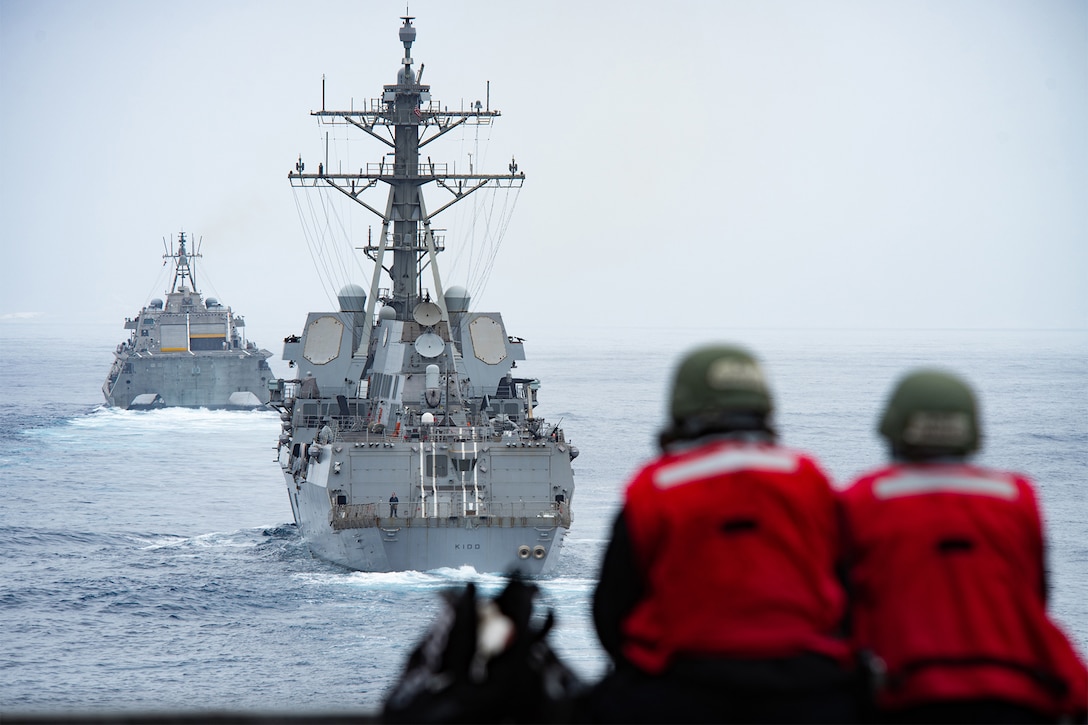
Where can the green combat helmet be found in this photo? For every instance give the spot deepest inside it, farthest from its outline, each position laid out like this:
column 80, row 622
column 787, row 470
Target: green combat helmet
column 718, row 389
column 931, row 414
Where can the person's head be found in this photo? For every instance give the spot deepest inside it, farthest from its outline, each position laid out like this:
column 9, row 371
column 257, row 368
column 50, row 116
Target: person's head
column 931, row 414
column 718, row 389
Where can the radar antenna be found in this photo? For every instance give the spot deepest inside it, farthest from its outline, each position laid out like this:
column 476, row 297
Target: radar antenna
column 183, row 270
column 407, row 111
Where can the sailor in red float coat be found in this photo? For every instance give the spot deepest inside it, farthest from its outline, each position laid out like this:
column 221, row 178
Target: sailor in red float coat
column 738, row 544
column 718, row 598
column 946, row 574
column 949, row 591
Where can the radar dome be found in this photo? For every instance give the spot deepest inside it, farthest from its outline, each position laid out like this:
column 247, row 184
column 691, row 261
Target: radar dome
column 387, row 313
column 211, row 302
column 156, row 304
column 352, row 298
column 457, row 299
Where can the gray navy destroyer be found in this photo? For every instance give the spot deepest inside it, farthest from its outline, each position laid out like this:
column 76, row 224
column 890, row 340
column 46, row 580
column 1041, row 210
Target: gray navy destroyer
column 187, row 351
column 408, row 443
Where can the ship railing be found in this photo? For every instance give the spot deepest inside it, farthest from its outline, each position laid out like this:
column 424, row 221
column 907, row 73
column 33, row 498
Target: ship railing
column 354, row 429
column 354, row 516
column 377, row 111
column 453, row 434
column 358, row 431
column 419, row 242
column 425, row 169
column 456, row 433
column 542, row 513
column 339, row 424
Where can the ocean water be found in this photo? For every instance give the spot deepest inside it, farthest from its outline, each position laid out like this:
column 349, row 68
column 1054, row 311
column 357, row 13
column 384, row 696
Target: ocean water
column 148, row 562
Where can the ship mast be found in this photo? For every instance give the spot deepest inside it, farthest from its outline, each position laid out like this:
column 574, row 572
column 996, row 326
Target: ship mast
column 413, row 121
column 182, row 269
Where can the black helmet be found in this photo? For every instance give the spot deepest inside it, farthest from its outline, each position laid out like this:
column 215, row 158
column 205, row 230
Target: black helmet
column 718, row 388
column 929, row 415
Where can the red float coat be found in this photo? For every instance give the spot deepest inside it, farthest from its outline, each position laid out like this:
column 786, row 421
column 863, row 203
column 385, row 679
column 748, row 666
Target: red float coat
column 738, row 542
column 948, row 589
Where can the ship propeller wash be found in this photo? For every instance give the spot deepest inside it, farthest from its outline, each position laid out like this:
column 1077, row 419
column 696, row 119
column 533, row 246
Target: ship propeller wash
column 187, row 351
column 408, row 443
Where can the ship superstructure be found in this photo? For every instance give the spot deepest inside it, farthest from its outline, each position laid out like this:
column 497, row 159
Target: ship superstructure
column 408, row 442
column 187, row 351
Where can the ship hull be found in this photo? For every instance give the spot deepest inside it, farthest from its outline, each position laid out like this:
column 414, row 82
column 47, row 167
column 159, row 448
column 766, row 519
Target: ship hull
column 367, row 538
column 235, row 379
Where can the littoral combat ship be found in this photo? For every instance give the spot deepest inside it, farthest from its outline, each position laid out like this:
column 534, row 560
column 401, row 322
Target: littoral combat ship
column 189, row 352
column 408, row 443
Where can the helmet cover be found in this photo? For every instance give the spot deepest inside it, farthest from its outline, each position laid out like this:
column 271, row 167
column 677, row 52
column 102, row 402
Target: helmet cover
column 931, row 413
column 719, row 379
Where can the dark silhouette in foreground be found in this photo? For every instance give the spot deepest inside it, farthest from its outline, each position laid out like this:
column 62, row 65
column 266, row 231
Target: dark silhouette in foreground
column 485, row 660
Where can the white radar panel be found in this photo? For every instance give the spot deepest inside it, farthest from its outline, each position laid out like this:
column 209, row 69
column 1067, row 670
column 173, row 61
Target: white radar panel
column 429, row 345
column 427, row 313
column 488, row 339
column 323, row 340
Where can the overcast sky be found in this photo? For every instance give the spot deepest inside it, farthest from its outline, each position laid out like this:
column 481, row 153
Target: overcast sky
column 700, row 164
